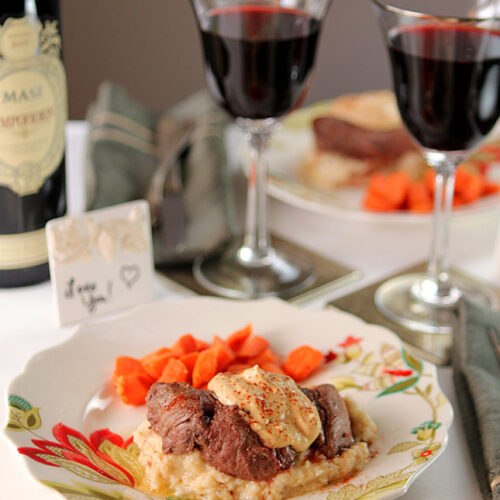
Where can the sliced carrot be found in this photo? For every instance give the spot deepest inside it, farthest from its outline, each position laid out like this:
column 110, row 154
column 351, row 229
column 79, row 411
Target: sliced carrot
column 490, row 188
column 392, row 188
column 253, row 346
column 374, row 203
column 472, row 189
column 429, row 180
column 237, row 367
column 205, row 367
column 419, row 198
column 125, row 365
column 462, row 178
column 236, row 339
column 268, row 356
column 184, row 345
column 174, row 371
column 458, row 200
column 301, row 362
column 271, row 367
column 201, row 345
column 399, row 183
column 225, row 355
column 189, row 360
column 155, row 362
column 158, row 352
column 133, row 388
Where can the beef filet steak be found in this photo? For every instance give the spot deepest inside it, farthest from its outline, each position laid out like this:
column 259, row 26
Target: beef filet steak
column 336, row 433
column 335, row 135
column 188, row 419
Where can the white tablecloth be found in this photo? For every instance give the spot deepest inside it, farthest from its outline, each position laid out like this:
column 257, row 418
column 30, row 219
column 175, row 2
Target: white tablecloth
column 27, row 315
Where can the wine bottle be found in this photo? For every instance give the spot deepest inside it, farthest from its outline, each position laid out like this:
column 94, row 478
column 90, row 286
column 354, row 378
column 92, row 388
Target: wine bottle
column 33, row 114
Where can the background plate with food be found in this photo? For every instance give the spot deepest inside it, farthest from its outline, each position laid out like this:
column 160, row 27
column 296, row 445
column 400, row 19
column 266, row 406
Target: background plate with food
column 73, row 430
column 351, row 157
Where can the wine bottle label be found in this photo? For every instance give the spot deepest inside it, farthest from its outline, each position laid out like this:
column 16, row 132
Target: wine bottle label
column 22, row 250
column 33, row 103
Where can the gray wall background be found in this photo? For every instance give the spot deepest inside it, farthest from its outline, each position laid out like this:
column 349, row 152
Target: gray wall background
column 152, row 47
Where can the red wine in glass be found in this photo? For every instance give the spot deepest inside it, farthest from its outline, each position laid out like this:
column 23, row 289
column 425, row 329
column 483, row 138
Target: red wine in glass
column 447, row 100
column 259, row 59
column 446, row 73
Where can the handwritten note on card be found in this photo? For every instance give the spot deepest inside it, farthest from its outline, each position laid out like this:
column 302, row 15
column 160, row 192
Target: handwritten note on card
column 101, row 261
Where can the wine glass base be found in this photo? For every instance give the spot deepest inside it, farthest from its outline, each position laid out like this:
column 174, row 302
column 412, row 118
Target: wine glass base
column 282, row 275
column 396, row 301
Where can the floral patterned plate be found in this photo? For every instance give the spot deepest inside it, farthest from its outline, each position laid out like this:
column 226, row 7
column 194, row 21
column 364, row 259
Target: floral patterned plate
column 74, row 433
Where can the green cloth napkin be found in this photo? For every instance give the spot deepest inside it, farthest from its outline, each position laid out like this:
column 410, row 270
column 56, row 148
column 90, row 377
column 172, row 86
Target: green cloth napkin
column 122, row 157
column 477, row 383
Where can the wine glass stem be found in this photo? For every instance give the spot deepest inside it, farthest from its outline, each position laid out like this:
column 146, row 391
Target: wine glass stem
column 438, row 266
column 256, row 242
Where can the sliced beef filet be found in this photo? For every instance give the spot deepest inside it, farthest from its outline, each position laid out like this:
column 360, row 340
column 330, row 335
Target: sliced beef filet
column 180, row 414
column 188, row 418
column 335, row 135
column 232, row 447
column 336, row 432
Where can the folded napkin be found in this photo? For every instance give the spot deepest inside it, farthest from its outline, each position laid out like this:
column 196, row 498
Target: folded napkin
column 477, row 383
column 124, row 156
column 121, row 155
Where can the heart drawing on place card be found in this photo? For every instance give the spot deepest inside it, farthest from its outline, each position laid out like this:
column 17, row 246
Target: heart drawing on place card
column 130, row 274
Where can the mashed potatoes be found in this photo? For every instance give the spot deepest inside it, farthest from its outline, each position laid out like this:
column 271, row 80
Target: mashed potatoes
column 189, row 476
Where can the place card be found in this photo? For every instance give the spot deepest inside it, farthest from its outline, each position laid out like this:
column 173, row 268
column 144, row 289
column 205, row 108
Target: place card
column 101, row 261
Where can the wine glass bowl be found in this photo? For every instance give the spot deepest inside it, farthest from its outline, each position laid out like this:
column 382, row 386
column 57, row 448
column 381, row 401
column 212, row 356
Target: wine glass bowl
column 259, row 58
column 445, row 65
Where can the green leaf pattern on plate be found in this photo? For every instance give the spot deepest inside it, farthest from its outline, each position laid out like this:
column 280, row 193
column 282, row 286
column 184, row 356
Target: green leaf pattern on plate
column 391, row 371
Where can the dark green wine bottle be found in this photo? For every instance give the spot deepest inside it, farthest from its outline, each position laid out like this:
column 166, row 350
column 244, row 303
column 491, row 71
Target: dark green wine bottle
column 33, row 114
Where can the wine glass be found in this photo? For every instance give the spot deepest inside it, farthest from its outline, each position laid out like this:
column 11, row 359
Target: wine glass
column 259, row 58
column 446, row 77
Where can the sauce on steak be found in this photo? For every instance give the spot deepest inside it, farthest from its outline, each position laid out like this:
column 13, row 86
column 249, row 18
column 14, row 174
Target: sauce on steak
column 188, row 419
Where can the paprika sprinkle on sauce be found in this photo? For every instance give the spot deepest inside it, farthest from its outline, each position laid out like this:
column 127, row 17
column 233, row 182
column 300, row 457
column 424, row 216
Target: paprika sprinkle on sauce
column 275, row 408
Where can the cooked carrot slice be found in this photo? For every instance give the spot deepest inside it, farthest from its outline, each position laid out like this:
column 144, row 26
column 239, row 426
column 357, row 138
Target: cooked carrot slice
column 472, row 189
column 429, row 180
column 184, row 345
column 155, row 362
column 205, row 367
column 125, row 365
column 158, row 352
column 237, row 367
column 271, row 367
column 189, row 360
column 392, row 188
column 374, row 203
column 462, row 178
column 236, row 339
column 174, row 371
column 225, row 355
column 133, row 388
column 253, row 346
column 419, row 198
column 301, row 362
column 201, row 345
column 268, row 356
column 490, row 188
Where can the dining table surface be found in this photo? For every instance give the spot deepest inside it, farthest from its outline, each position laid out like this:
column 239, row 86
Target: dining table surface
column 376, row 248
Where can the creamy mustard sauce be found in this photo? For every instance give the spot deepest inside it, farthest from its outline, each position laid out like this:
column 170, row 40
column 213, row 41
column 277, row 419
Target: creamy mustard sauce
column 276, row 409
